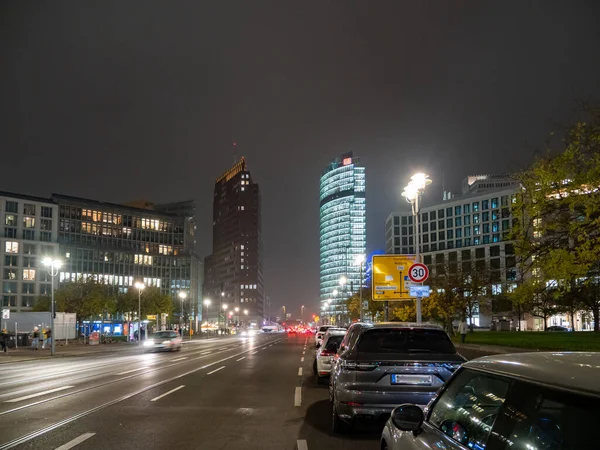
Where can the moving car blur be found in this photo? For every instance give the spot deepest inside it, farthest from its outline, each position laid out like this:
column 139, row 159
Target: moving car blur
column 169, row 341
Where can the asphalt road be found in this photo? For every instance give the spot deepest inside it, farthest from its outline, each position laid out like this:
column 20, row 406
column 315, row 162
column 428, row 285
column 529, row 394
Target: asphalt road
column 232, row 393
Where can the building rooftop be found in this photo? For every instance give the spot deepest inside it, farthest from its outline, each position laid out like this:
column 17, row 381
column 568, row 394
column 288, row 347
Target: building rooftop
column 26, row 197
column 58, row 198
column 238, row 167
column 575, row 371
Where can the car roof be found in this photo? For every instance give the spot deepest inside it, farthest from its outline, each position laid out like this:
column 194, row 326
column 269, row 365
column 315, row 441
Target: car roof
column 336, row 331
column 575, row 371
column 429, row 326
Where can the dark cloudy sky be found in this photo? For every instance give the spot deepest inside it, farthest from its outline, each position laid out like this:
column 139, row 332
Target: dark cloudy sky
column 120, row 100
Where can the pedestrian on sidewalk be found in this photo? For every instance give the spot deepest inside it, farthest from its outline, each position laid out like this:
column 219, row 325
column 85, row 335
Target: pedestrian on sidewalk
column 35, row 341
column 4, row 340
column 463, row 329
column 48, row 340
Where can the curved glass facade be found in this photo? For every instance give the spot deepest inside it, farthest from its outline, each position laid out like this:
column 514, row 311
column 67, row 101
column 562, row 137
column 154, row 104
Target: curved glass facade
column 343, row 234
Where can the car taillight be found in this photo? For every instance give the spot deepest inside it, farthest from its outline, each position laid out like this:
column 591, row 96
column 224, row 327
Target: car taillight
column 353, row 365
column 326, row 353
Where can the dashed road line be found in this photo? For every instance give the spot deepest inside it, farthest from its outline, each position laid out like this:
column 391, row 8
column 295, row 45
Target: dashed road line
column 37, row 394
column 167, row 393
column 78, row 440
column 302, row 359
column 298, row 396
column 216, row 370
column 300, row 371
column 132, row 370
column 301, row 444
column 243, row 357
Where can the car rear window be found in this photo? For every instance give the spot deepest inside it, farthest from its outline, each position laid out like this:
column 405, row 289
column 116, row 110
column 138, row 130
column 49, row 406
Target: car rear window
column 405, row 341
column 324, row 328
column 337, row 340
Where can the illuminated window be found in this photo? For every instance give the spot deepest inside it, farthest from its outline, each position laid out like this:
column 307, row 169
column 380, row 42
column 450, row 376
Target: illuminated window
column 11, row 247
column 242, row 247
column 29, row 274
column 28, row 222
column 145, row 260
column 10, row 220
column 243, row 189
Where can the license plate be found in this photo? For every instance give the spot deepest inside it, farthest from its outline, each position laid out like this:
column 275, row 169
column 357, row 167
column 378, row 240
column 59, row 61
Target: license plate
column 411, row 380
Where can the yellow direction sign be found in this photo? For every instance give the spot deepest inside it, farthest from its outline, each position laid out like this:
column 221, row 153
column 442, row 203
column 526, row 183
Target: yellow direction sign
column 390, row 277
column 151, row 317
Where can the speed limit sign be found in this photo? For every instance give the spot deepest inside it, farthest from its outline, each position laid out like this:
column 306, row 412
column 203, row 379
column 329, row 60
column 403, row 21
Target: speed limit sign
column 418, row 272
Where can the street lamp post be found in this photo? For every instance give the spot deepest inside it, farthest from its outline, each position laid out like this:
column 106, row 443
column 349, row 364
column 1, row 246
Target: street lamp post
column 182, row 296
column 412, row 193
column 52, row 265
column 343, row 280
column 328, row 311
column 224, row 315
column 302, row 314
column 207, row 304
column 139, row 286
column 237, row 315
column 360, row 259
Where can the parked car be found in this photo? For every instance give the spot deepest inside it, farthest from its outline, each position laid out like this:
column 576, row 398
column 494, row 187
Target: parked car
column 557, row 328
column 379, row 366
column 169, row 341
column 525, row 401
column 320, row 333
column 331, row 342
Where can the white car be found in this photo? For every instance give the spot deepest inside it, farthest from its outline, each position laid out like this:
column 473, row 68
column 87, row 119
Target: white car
column 331, row 342
column 320, row 333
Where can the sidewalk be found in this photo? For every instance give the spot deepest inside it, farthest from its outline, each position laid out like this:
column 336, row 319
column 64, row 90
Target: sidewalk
column 62, row 350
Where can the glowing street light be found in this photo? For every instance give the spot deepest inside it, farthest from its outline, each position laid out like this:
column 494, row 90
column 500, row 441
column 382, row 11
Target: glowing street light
column 52, row 265
column 412, row 193
column 360, row 260
column 140, row 287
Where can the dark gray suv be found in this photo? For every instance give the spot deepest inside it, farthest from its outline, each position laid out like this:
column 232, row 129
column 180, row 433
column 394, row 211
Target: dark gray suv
column 379, row 366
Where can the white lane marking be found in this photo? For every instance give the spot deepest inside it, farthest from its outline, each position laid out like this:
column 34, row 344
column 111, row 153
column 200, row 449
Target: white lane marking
column 254, row 353
column 270, row 345
column 78, row 440
column 303, row 353
column 132, row 370
column 300, row 371
column 264, row 348
column 302, row 359
column 180, row 359
column 216, row 370
column 28, row 437
column 206, row 353
column 37, row 394
column 298, row 397
column 167, row 393
column 301, row 444
column 243, row 357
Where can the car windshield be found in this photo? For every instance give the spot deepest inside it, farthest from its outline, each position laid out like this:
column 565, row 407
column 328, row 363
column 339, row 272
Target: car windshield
column 324, row 328
column 164, row 335
column 394, row 340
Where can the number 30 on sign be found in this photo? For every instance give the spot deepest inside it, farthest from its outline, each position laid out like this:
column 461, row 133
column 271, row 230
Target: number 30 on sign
column 418, row 272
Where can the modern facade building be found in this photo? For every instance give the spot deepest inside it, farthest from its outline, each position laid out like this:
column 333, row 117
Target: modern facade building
column 470, row 228
column 29, row 233
column 342, row 233
column 234, row 270
column 119, row 245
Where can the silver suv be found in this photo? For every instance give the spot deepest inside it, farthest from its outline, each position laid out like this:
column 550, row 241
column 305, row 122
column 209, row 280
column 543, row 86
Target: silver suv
column 379, row 366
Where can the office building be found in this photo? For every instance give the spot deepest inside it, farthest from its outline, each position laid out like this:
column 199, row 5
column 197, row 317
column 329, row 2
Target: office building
column 471, row 228
column 342, row 233
column 233, row 272
column 119, row 245
column 29, row 234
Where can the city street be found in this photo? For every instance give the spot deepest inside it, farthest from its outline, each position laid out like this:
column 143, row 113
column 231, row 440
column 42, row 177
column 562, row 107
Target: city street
column 233, row 393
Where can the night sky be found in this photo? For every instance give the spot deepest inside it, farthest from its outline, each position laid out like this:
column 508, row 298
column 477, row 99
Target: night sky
column 116, row 100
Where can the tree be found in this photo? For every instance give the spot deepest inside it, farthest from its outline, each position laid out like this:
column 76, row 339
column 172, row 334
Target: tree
column 446, row 302
column 88, row 299
column 374, row 310
column 474, row 286
column 152, row 301
column 557, row 218
column 42, row 304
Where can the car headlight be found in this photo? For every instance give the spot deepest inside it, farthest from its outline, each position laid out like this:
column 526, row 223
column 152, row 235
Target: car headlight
column 149, row 343
column 166, row 342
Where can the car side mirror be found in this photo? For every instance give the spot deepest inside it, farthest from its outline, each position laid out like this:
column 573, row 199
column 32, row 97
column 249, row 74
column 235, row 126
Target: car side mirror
column 408, row 417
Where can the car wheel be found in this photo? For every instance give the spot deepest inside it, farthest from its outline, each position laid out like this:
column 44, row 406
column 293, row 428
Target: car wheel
column 338, row 425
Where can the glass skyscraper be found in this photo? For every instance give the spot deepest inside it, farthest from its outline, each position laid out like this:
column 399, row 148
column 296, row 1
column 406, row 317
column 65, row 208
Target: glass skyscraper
column 343, row 234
